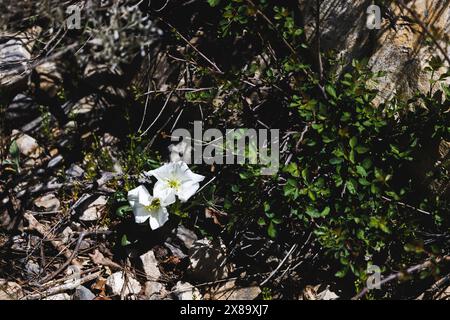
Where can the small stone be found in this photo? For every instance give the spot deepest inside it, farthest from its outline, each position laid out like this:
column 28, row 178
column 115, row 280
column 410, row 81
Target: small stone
column 94, row 210
column 66, row 235
column 10, row 290
column 48, row 202
column 55, row 161
column 27, row 145
column 116, row 281
column 84, row 106
column 186, row 291
column 83, row 293
column 75, row 171
column 327, row 295
column 175, row 250
column 230, row 291
column 150, row 266
column 33, row 269
column 60, row 296
column 54, row 152
column 153, row 290
column 187, row 236
column 71, row 125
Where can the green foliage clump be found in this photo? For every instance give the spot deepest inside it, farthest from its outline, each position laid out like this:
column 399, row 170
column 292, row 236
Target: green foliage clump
column 354, row 173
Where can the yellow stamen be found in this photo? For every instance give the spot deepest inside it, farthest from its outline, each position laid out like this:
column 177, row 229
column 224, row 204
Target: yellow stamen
column 154, row 205
column 174, row 184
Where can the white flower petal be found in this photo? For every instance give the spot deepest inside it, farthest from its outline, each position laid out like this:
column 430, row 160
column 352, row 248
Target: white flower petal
column 158, row 218
column 140, row 214
column 183, row 173
column 163, row 172
column 196, row 177
column 139, row 195
column 187, row 190
column 133, row 196
column 166, row 194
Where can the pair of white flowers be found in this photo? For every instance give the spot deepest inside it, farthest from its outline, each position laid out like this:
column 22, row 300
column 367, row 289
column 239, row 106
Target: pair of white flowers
column 175, row 179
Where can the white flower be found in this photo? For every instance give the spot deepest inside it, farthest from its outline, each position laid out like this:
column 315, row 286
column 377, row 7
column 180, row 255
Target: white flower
column 175, row 178
column 146, row 207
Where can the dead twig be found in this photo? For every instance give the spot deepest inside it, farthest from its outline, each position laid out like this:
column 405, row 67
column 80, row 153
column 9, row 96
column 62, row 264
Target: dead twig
column 293, row 248
column 62, row 288
column 35, row 225
column 425, row 265
column 74, row 254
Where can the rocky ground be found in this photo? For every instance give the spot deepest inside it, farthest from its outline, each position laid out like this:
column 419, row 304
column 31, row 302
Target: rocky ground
column 61, row 228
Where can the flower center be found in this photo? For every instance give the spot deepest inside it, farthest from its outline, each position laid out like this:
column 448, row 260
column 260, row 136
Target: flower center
column 154, row 205
column 174, row 184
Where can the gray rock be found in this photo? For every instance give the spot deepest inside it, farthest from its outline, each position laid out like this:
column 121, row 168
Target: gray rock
column 175, row 250
column 13, row 55
column 187, row 236
column 83, row 293
column 94, row 210
column 150, row 266
column 116, row 282
column 22, row 110
column 229, row 291
column 84, row 106
column 186, row 291
column 60, row 296
column 66, row 235
column 48, row 202
column 33, row 269
column 327, row 295
column 55, row 161
column 75, row 171
column 27, row 145
column 154, row 290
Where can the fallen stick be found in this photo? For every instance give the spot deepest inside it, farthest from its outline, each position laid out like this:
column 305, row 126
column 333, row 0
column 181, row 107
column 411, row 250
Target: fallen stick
column 35, row 225
column 425, row 265
column 62, row 288
column 74, row 254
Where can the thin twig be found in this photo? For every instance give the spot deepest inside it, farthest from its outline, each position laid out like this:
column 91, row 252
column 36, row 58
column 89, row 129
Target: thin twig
column 425, row 265
column 279, row 265
column 62, row 288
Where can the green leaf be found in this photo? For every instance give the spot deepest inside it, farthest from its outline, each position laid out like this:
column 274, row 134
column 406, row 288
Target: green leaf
column 374, row 189
column 123, row 210
column 14, row 153
column 361, row 171
column 367, row 163
column 292, row 169
column 342, row 273
column 351, row 157
column 353, row 142
column 277, row 221
column 271, row 230
column 335, row 161
column 14, row 150
column 361, row 149
column 124, row 241
column 261, row 222
column 351, row 186
column 312, row 212
column 325, row 212
column 213, row 3
column 364, row 182
column 305, row 174
column 331, row 91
